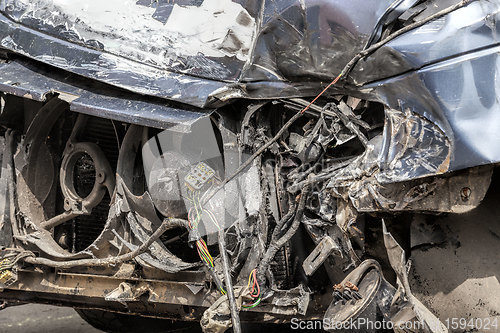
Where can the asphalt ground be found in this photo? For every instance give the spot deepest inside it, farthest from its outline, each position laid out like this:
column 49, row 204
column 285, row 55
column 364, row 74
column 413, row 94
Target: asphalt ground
column 35, row 318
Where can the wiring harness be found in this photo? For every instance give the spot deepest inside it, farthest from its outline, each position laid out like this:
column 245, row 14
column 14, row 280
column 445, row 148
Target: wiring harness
column 195, row 215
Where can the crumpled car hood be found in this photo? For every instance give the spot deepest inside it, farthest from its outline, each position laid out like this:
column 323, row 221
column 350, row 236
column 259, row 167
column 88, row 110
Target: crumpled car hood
column 173, row 37
column 182, row 50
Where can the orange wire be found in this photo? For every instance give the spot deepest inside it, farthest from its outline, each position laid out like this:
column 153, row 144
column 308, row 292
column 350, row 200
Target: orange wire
column 321, row 93
column 255, row 284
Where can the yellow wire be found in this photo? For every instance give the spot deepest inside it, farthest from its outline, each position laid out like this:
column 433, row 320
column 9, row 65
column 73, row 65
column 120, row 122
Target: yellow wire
column 250, row 277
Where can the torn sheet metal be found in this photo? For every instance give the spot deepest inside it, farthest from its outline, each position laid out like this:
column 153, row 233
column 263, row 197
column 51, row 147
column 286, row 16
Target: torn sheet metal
column 110, row 69
column 21, row 79
column 393, row 174
column 459, row 96
column 410, row 147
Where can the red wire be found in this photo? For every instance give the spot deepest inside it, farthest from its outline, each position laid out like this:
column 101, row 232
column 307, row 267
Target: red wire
column 255, row 284
column 204, row 245
column 321, row 93
column 253, row 288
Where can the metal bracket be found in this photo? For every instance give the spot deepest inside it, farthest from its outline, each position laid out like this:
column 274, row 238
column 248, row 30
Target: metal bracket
column 319, row 255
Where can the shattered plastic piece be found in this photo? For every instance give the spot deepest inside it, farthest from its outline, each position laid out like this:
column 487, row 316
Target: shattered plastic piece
column 408, row 308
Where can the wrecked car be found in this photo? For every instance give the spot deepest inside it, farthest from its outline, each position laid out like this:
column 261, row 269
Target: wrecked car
column 221, row 163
